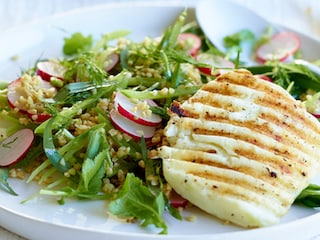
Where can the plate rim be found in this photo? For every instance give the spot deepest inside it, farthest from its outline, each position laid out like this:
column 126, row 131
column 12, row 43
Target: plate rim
column 138, row 3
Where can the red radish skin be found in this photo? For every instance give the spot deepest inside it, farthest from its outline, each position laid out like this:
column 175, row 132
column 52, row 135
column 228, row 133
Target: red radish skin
column 135, row 130
column 14, row 94
column 126, row 108
column 177, row 201
column 281, row 46
column 15, row 147
column 191, row 41
column 264, row 77
column 316, row 115
column 312, row 105
column 41, row 117
column 46, row 70
column 215, row 61
column 316, row 110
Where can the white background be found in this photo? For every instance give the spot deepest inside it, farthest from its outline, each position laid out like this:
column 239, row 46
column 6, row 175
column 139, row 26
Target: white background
column 302, row 15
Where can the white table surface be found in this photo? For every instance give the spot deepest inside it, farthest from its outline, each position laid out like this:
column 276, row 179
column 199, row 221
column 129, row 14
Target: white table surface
column 302, row 15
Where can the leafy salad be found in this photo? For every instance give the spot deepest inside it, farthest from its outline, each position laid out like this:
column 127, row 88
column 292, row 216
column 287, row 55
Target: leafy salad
column 88, row 125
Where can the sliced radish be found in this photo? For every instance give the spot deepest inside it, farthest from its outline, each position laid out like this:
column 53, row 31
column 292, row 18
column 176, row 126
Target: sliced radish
column 215, row 61
column 15, row 147
column 111, row 61
column 264, row 77
column 135, row 130
column 316, row 115
column 136, row 111
column 191, row 42
column 316, row 112
column 281, row 46
column 177, row 201
column 46, row 70
column 17, row 90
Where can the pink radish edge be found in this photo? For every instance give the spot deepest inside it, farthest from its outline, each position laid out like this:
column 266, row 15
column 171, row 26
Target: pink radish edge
column 135, row 130
column 281, row 46
column 46, row 70
column 177, row 201
column 192, row 41
column 125, row 107
column 316, row 115
column 15, row 147
column 264, row 77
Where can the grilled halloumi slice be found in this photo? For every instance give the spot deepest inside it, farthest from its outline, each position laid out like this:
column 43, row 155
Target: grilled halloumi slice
column 241, row 149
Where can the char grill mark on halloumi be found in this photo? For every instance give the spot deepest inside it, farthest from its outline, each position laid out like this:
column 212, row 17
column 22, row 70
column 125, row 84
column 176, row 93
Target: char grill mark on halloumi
column 253, row 170
column 246, row 144
column 275, row 154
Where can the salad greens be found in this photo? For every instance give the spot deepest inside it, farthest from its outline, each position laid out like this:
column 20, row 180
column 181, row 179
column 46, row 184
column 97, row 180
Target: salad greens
column 4, row 174
column 137, row 200
column 79, row 153
column 76, row 43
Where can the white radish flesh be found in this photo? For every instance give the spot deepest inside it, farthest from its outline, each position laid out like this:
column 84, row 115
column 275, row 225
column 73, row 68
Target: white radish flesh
column 46, row 70
column 15, row 147
column 280, row 47
column 131, row 128
column 136, row 111
column 190, row 41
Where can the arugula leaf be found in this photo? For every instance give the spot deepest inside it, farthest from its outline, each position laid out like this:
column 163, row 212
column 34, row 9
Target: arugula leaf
column 235, row 40
column 4, row 174
column 234, row 43
column 136, row 200
column 77, row 43
column 310, row 196
column 284, row 74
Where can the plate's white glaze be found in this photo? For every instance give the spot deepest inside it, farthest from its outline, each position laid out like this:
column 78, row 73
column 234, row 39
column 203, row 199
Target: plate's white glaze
column 43, row 218
column 242, row 18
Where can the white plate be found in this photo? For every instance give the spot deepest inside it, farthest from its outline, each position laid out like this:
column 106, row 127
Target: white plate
column 43, row 218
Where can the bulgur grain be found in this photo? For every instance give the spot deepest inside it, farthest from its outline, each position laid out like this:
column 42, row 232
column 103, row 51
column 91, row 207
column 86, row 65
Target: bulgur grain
column 121, row 176
column 123, row 151
column 191, row 218
column 24, row 120
column 107, row 187
column 164, row 91
column 16, row 173
column 141, row 164
column 113, row 132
